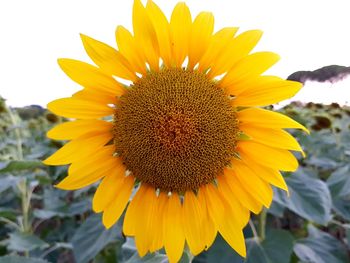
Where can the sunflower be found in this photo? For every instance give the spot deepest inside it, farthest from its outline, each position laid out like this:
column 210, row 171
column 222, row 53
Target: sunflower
column 173, row 118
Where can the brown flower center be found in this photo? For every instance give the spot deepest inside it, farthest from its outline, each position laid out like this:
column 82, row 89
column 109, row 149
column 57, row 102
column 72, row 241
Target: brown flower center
column 175, row 130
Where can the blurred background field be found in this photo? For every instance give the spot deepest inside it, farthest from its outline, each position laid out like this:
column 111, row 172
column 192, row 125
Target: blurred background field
column 39, row 223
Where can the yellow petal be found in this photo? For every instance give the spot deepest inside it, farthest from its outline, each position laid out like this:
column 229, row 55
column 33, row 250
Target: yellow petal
column 214, row 203
column 252, row 84
column 231, row 225
column 237, row 49
column 270, row 175
column 73, row 129
column 158, row 225
column 193, row 222
column 233, row 235
column 145, row 35
column 112, row 213
column 162, row 29
column 271, row 137
column 229, row 230
column 245, row 197
column 180, row 29
column 252, row 183
column 267, row 119
column 250, row 66
column 146, row 212
column 129, row 49
column 131, row 216
column 268, row 156
column 80, row 109
column 91, row 77
column 107, row 58
column 108, row 189
column 233, row 209
column 217, row 44
column 265, row 93
column 174, row 237
column 84, row 173
column 83, row 146
column 95, row 96
column 202, row 30
column 210, row 229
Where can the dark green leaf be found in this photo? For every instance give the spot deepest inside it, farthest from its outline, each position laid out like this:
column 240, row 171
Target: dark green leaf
column 320, row 247
column 25, row 242
column 278, row 245
column 128, row 248
column 52, row 200
column 339, row 182
column 309, row 198
column 322, row 162
column 80, row 207
column 276, row 209
column 18, row 259
column 339, row 185
column 149, row 258
column 347, row 230
column 46, row 214
column 13, row 166
column 3, row 164
column 219, row 252
column 7, row 182
column 255, row 252
column 91, row 237
column 341, row 206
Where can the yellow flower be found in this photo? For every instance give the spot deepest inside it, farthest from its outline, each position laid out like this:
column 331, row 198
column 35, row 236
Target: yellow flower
column 187, row 135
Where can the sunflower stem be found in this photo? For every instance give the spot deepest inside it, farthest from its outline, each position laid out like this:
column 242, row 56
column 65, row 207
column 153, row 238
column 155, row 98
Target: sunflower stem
column 23, row 184
column 252, row 227
column 262, row 224
column 17, row 132
column 188, row 253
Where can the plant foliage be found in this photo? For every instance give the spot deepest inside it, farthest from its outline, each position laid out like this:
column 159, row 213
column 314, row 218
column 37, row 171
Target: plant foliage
column 39, row 223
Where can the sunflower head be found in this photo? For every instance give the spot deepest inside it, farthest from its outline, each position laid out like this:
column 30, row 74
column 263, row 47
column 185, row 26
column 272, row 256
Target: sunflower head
column 188, row 135
column 175, row 130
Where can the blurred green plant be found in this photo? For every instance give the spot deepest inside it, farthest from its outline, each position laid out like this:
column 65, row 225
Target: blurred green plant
column 39, row 223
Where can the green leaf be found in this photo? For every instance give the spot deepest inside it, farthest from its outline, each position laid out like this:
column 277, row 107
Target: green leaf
column 219, row 252
column 341, row 206
column 322, row 162
column 339, row 182
column 309, row 198
column 46, row 214
column 7, row 182
column 276, row 209
column 13, row 166
column 339, row 185
column 91, row 237
column 25, row 242
column 149, row 258
column 3, row 164
column 347, row 230
column 255, row 252
column 278, row 245
column 18, row 259
column 79, row 207
column 320, row 247
column 128, row 248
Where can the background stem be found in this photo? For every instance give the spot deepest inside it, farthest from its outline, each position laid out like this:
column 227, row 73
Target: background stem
column 262, row 224
column 26, row 192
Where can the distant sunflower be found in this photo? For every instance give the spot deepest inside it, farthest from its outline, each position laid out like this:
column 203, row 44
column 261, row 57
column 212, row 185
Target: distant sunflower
column 187, row 135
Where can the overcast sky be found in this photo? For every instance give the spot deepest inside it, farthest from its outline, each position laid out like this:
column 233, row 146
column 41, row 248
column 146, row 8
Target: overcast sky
column 308, row 34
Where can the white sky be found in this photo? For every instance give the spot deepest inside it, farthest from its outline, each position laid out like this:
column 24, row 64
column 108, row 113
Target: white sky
column 308, row 34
